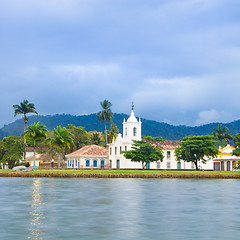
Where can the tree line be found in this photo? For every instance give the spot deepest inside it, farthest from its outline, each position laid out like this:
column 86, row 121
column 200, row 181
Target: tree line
column 60, row 141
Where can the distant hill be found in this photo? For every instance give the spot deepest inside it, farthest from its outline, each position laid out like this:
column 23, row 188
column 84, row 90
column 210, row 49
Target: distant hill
column 90, row 122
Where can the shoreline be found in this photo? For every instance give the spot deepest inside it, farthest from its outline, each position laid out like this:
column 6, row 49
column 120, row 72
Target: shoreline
column 118, row 175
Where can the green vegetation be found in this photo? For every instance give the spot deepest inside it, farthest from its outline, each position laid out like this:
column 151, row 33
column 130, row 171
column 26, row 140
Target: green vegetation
column 222, row 135
column 105, row 115
column 60, row 140
column 150, row 138
column 196, row 148
column 143, row 152
column 35, row 134
column 11, row 150
column 24, row 108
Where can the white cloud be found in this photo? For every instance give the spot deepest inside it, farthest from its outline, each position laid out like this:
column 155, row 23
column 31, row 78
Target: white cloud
column 209, row 116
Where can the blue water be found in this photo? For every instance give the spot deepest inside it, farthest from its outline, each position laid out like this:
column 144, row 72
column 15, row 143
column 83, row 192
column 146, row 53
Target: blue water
column 114, row 209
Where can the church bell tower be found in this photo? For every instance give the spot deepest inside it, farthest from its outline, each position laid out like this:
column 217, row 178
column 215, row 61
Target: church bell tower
column 132, row 128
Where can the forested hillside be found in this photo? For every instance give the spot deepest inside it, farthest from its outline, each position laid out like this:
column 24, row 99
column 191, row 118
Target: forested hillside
column 90, row 122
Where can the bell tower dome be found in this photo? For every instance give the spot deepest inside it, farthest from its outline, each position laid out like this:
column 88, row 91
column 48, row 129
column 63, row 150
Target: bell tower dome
column 132, row 128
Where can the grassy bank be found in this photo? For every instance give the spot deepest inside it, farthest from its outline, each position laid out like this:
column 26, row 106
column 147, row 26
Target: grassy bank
column 121, row 174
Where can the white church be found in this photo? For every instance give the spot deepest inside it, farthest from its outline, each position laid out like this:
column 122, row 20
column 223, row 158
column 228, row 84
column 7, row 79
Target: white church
column 132, row 131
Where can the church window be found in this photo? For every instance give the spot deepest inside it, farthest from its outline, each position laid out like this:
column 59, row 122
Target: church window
column 110, row 151
column 120, row 149
column 158, row 164
column 168, row 165
column 168, row 154
column 126, row 131
column 115, row 150
column 125, row 148
column 95, row 163
column 134, row 132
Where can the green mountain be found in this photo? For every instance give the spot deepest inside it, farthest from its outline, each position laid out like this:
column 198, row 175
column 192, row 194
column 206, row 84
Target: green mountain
column 90, row 122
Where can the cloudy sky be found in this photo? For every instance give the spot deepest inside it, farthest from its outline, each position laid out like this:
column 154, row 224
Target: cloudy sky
column 178, row 60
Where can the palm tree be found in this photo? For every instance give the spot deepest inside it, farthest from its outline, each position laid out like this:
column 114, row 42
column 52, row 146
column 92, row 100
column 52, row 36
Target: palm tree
column 105, row 115
column 24, row 108
column 112, row 133
column 36, row 133
column 61, row 140
column 95, row 138
column 222, row 135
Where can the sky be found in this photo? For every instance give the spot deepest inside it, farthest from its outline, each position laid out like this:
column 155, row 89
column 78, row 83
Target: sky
column 177, row 60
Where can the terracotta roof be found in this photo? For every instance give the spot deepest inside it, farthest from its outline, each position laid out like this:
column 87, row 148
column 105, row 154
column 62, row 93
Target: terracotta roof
column 42, row 157
column 168, row 144
column 89, row 150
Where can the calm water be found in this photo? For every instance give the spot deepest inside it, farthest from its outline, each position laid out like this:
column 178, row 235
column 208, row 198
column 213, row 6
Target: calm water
column 114, row 209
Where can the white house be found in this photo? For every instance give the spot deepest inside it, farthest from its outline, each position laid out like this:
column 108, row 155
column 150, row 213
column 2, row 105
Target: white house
column 91, row 156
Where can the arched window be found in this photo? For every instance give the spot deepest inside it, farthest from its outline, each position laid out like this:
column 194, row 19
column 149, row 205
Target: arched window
column 95, row 163
column 134, row 131
column 87, row 163
column 125, row 131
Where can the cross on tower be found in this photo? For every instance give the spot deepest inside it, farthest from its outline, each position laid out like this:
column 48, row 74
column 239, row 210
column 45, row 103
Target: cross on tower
column 132, row 106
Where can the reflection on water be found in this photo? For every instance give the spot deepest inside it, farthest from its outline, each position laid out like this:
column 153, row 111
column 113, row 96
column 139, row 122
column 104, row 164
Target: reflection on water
column 36, row 210
column 119, row 209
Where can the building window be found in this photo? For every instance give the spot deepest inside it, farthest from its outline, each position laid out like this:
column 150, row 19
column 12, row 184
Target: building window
column 115, row 150
column 110, row 151
column 120, row 150
column 168, row 154
column 102, row 164
column 134, row 132
column 76, row 161
column 95, row 163
column 158, row 164
column 125, row 148
column 125, row 131
column 87, row 163
column 110, row 163
column 168, row 165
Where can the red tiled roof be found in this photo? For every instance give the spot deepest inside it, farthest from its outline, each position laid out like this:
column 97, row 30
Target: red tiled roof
column 90, row 150
column 168, row 144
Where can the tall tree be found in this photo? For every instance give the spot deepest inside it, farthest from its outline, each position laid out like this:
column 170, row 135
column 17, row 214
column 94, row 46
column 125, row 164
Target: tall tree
column 11, row 150
column 105, row 115
column 112, row 133
column 61, row 139
column 222, row 135
column 236, row 140
column 95, row 138
column 80, row 137
column 24, row 108
column 144, row 152
column 35, row 134
column 196, row 148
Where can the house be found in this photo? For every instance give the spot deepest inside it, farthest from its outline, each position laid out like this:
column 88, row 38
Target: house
column 225, row 160
column 90, row 156
column 43, row 160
